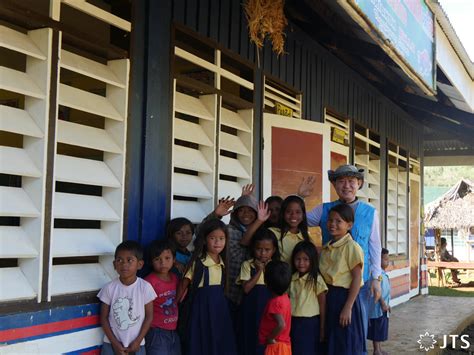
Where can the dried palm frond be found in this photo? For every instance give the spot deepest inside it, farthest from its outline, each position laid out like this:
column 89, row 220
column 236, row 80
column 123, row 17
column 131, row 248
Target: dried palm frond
column 266, row 18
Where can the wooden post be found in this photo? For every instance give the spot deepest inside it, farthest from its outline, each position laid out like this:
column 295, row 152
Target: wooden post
column 439, row 271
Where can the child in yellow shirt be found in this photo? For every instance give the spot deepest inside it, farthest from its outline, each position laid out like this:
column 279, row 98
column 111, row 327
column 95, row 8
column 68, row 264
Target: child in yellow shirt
column 308, row 301
column 341, row 264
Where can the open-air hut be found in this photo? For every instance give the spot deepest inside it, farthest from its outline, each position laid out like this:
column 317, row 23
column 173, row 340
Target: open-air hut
column 454, row 210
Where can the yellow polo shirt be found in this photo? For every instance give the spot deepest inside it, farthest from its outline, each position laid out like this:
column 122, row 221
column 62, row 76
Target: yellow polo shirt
column 304, row 295
column 215, row 271
column 245, row 273
column 289, row 242
column 338, row 259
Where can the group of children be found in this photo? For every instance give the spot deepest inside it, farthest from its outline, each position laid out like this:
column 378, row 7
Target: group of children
column 255, row 286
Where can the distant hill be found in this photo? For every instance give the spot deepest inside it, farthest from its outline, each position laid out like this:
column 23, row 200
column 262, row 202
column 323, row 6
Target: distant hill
column 446, row 176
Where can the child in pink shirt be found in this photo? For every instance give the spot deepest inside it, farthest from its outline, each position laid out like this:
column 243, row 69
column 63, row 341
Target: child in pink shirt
column 162, row 337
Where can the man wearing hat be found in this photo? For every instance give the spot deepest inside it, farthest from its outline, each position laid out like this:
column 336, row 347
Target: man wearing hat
column 347, row 180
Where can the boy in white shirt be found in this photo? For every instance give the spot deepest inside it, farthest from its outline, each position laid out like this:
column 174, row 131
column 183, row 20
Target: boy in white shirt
column 126, row 304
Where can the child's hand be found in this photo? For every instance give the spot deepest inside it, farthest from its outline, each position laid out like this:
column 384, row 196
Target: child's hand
column 134, row 347
column 180, row 267
column 389, row 309
column 322, row 335
column 385, row 308
column 345, row 316
column 224, row 206
column 119, row 348
column 260, row 266
column 306, row 187
column 248, row 189
column 263, row 213
column 271, row 341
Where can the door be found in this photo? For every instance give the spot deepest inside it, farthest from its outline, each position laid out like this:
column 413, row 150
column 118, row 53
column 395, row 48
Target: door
column 293, row 150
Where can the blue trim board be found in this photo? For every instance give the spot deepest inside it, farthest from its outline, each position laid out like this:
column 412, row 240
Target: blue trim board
column 23, row 320
column 48, row 335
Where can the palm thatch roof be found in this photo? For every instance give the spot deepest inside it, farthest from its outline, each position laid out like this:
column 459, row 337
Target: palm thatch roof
column 455, row 209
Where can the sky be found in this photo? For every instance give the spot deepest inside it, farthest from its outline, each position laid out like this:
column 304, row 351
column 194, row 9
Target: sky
column 461, row 16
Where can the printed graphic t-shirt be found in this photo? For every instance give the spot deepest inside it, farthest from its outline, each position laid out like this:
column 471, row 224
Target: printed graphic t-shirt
column 165, row 310
column 127, row 308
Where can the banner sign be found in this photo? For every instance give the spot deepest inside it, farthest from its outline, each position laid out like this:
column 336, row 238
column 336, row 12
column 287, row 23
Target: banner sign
column 409, row 27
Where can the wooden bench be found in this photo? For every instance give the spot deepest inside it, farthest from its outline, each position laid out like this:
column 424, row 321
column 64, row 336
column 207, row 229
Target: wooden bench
column 440, row 266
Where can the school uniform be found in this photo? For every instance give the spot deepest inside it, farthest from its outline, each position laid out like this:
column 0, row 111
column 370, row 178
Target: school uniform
column 378, row 319
column 288, row 243
column 251, row 310
column 210, row 327
column 305, row 322
column 335, row 264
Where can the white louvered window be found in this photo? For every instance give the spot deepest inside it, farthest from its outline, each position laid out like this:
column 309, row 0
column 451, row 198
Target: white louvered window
column 25, row 64
column 212, row 128
column 367, row 157
column 281, row 100
column 89, row 170
column 83, row 214
column 397, row 235
column 339, row 129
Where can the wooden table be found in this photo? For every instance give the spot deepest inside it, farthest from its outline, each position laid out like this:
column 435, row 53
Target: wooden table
column 440, row 266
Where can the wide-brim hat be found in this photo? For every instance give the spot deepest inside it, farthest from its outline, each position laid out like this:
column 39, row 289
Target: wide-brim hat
column 346, row 170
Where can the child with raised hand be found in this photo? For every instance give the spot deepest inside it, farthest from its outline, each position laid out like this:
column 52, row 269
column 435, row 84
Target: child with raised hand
column 180, row 233
column 308, row 301
column 126, row 310
column 293, row 227
column 264, row 248
column 162, row 337
column 243, row 214
column 210, row 329
column 380, row 311
column 275, row 325
column 341, row 265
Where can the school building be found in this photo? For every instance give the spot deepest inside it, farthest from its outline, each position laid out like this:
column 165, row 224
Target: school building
column 117, row 115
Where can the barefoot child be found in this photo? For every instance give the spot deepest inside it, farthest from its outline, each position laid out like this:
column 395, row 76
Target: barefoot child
column 380, row 311
column 256, row 295
column 341, row 264
column 162, row 337
column 275, row 325
column 126, row 310
column 308, row 301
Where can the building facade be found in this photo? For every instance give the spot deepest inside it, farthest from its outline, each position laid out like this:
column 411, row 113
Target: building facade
column 117, row 116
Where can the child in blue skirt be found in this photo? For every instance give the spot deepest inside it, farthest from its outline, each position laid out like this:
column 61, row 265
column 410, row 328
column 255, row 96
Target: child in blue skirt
column 209, row 327
column 379, row 312
column 264, row 248
column 341, row 264
column 308, row 301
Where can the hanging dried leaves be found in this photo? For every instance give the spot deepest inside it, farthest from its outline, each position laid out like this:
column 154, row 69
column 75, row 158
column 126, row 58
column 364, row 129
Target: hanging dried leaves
column 266, row 18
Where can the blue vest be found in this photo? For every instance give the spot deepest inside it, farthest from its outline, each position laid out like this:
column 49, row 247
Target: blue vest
column 361, row 230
